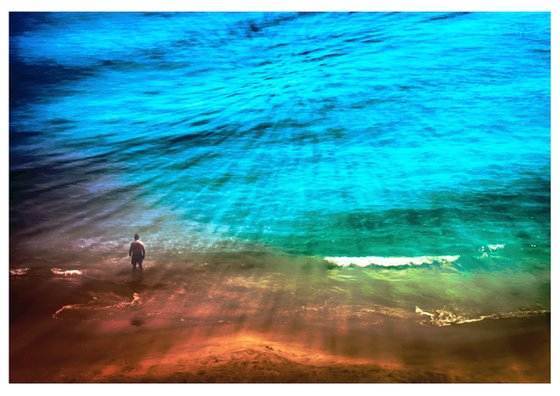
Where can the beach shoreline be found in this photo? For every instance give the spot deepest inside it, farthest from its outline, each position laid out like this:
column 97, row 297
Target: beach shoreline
column 50, row 345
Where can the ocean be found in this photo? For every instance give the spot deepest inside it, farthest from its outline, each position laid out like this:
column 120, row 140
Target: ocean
column 282, row 169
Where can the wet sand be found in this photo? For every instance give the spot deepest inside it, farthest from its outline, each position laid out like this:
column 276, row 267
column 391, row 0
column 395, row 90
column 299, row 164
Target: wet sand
column 148, row 333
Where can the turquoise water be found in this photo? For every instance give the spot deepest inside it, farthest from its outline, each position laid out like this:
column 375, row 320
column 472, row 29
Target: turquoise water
column 415, row 144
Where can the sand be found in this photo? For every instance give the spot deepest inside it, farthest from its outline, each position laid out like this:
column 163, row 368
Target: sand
column 60, row 334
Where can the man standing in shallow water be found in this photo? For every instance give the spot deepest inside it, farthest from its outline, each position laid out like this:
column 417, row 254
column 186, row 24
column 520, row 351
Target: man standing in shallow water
column 137, row 252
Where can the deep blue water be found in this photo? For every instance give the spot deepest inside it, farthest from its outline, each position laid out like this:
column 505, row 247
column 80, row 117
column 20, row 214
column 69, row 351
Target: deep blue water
column 397, row 135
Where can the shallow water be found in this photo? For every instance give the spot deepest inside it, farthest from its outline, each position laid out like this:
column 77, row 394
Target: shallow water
column 396, row 164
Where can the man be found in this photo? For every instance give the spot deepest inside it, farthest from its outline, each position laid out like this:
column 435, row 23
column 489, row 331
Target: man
column 137, row 252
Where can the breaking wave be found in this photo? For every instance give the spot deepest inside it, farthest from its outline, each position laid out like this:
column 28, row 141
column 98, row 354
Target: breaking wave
column 390, row 261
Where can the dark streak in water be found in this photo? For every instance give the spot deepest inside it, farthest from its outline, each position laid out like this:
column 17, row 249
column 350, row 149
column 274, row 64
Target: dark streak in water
column 30, row 82
column 447, row 16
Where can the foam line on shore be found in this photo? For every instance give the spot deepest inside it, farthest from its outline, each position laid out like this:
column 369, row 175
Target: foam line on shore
column 62, row 272
column 442, row 317
column 19, row 271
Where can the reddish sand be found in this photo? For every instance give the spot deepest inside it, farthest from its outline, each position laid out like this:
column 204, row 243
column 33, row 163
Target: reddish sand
column 188, row 338
column 67, row 353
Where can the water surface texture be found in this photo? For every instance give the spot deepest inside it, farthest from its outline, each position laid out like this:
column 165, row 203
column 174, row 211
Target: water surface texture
column 399, row 160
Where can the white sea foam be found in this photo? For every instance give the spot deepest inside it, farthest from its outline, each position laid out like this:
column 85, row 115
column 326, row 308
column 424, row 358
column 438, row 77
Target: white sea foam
column 73, row 306
column 487, row 250
column 61, row 272
column 443, row 317
column 390, row 261
column 496, row 246
column 19, row 271
column 136, row 299
column 94, row 305
column 64, row 308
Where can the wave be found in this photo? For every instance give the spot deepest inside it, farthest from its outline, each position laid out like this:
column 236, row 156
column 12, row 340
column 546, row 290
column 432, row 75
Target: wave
column 491, row 249
column 390, row 261
column 61, row 272
column 19, row 271
column 442, row 317
column 72, row 306
column 92, row 305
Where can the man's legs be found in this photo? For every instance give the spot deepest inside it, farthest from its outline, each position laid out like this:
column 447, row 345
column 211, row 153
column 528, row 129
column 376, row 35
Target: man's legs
column 137, row 260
